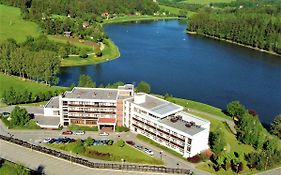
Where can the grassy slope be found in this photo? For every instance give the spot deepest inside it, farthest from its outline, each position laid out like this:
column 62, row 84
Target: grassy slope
column 110, row 52
column 13, row 26
column 18, row 83
column 174, row 10
column 205, row 1
column 235, row 146
column 127, row 152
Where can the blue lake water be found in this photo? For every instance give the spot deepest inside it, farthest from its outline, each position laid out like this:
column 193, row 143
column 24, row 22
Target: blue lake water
column 187, row 66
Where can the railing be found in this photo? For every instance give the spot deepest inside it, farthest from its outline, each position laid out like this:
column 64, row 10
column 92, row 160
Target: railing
column 81, row 161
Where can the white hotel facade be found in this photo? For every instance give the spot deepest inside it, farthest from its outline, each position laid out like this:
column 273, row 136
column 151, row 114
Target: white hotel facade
column 164, row 122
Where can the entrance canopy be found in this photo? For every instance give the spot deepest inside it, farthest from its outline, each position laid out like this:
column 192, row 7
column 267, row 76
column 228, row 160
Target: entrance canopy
column 109, row 123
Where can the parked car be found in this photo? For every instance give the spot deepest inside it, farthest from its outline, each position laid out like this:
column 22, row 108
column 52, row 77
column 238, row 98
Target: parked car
column 139, row 147
column 79, row 132
column 6, row 114
column 104, row 134
column 67, row 132
column 47, row 140
column 148, row 151
column 130, row 142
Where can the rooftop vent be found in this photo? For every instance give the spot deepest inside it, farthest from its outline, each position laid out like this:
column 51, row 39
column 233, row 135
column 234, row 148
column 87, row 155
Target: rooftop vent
column 174, row 119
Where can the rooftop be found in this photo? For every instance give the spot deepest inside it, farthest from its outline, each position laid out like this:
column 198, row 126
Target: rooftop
column 92, row 93
column 184, row 126
column 47, row 121
column 53, row 103
column 155, row 104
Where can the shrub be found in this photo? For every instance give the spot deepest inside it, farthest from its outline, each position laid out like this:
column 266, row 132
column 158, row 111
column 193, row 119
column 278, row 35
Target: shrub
column 122, row 129
column 121, row 143
column 194, row 159
column 110, row 142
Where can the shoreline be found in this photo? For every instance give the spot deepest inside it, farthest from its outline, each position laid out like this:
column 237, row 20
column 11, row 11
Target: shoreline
column 137, row 18
column 91, row 60
column 233, row 42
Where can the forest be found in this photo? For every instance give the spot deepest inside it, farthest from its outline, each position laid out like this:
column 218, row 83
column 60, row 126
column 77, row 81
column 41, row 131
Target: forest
column 258, row 26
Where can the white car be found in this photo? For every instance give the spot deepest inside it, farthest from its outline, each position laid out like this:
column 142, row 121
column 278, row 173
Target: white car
column 78, row 132
column 47, row 140
column 104, row 134
column 148, row 151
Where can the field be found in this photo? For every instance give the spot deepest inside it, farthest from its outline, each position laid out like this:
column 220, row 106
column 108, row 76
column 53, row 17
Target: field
column 205, row 1
column 174, row 11
column 117, row 153
column 73, row 41
column 13, row 26
column 110, row 52
column 7, row 82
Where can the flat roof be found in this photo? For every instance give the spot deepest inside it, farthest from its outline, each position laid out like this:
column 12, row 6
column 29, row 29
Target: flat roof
column 47, row 120
column 53, row 103
column 180, row 125
column 92, row 93
column 157, row 105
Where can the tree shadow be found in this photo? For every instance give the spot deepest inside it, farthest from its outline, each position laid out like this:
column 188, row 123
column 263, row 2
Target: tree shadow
column 38, row 171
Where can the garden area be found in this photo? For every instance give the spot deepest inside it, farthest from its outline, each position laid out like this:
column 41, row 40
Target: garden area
column 10, row 168
column 108, row 150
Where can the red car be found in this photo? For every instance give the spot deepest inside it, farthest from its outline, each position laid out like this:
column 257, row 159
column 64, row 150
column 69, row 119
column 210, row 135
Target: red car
column 67, row 132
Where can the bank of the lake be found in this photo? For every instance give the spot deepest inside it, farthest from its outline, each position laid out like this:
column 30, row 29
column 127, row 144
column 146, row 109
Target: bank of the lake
column 233, row 42
column 109, row 53
column 135, row 18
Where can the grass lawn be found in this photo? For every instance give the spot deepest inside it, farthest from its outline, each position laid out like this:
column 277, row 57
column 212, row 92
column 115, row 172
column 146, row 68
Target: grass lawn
column 110, row 52
column 136, row 18
column 235, row 146
column 13, row 26
column 9, row 168
column 198, row 106
column 7, row 82
column 73, row 41
column 174, row 10
column 128, row 153
column 206, row 1
column 151, row 142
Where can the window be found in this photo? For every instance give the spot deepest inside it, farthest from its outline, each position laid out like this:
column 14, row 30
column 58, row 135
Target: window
column 189, row 141
column 188, row 149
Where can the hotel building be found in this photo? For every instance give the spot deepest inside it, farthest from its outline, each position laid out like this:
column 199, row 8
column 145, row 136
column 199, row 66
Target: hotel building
column 164, row 122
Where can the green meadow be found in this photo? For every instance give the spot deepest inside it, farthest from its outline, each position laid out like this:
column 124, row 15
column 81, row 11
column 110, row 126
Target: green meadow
column 13, row 26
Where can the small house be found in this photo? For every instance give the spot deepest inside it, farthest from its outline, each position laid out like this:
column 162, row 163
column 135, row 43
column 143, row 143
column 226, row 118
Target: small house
column 67, row 33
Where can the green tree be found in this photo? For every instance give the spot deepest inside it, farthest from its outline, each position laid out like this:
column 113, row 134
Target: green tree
column 143, row 87
column 89, row 141
column 62, row 53
column 275, row 127
column 86, row 81
column 234, row 108
column 19, row 116
column 83, row 53
column 217, row 141
column 78, row 147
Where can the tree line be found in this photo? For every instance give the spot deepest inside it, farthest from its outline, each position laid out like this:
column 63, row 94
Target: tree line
column 38, row 59
column 258, row 27
column 87, row 81
column 16, row 96
column 84, row 9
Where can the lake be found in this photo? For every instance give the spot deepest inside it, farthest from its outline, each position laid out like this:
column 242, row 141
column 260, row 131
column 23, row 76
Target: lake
column 187, row 66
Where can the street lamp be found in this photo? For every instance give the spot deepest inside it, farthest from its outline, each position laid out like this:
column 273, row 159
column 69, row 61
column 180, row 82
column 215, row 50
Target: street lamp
column 161, row 154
